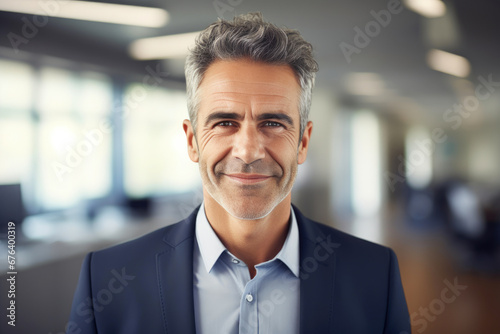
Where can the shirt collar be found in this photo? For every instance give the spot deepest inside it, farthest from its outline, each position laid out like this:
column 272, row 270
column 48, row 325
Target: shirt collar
column 209, row 243
column 211, row 247
column 289, row 253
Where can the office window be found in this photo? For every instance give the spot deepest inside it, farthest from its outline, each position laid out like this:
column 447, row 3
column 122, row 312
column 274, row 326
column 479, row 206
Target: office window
column 16, row 140
column 56, row 137
column 74, row 155
column 16, row 86
column 418, row 157
column 48, row 140
column 366, row 188
column 95, row 103
column 155, row 154
column 16, row 128
column 365, row 163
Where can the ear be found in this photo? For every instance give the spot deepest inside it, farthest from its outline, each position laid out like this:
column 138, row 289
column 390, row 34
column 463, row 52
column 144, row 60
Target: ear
column 192, row 146
column 304, row 143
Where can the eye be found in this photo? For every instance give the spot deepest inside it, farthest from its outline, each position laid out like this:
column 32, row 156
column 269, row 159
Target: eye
column 273, row 124
column 225, row 124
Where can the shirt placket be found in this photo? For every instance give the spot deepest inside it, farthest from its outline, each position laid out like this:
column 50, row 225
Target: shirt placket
column 249, row 322
column 249, row 304
column 248, row 318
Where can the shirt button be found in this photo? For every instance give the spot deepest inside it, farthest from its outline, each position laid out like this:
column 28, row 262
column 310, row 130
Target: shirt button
column 249, row 298
column 235, row 261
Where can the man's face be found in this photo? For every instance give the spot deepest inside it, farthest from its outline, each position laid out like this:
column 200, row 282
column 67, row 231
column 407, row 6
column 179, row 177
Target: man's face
column 247, row 136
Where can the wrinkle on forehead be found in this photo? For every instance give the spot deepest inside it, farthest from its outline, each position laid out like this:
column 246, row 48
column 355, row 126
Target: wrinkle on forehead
column 235, row 91
column 241, row 75
column 262, row 95
column 224, row 98
column 249, row 102
column 234, row 85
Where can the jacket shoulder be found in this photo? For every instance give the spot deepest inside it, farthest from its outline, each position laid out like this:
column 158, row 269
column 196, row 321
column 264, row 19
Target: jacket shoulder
column 145, row 248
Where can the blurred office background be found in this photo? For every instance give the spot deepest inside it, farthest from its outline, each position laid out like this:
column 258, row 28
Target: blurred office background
column 405, row 148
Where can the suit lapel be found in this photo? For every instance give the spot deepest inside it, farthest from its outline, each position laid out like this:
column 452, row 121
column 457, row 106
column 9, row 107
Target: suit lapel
column 175, row 278
column 317, row 274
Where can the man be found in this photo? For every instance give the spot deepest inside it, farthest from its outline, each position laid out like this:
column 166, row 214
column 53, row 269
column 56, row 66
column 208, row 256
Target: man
column 245, row 261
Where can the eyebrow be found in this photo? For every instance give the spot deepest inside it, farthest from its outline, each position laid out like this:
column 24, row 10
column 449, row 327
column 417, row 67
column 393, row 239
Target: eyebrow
column 235, row 116
column 222, row 115
column 277, row 116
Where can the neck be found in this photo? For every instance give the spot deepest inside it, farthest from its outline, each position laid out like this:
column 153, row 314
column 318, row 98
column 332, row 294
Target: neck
column 252, row 241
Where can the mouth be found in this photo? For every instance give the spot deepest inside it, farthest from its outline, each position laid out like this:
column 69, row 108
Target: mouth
column 245, row 178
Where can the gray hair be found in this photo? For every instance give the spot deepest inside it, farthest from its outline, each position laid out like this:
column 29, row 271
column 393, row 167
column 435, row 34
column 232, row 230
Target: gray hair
column 248, row 36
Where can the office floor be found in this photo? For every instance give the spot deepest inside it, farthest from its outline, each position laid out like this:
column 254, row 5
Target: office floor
column 443, row 294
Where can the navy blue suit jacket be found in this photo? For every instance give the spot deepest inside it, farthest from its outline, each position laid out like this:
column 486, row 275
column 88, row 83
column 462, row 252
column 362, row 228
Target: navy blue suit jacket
column 347, row 286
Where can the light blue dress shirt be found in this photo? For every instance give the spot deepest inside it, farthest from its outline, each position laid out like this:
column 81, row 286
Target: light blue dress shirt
column 227, row 301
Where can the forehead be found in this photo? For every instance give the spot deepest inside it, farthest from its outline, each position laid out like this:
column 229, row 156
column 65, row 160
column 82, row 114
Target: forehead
column 250, row 82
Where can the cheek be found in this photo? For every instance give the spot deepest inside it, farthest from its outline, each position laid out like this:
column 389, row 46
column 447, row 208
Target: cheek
column 207, row 139
column 284, row 152
column 204, row 138
column 289, row 143
column 291, row 140
column 214, row 148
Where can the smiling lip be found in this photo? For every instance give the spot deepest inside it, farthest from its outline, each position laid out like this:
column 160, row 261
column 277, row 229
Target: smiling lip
column 248, row 178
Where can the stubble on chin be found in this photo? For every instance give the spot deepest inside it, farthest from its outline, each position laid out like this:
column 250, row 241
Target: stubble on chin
column 246, row 202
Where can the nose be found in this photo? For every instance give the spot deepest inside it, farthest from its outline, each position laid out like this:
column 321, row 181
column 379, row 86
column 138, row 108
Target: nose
column 248, row 145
